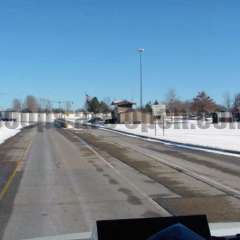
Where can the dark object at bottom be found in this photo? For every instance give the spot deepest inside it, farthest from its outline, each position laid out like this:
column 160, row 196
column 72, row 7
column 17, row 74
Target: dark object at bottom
column 142, row 229
column 176, row 232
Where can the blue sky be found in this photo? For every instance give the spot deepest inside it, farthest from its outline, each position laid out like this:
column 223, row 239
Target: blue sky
column 60, row 49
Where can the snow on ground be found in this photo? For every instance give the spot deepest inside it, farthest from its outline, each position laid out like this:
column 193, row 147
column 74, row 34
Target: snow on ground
column 8, row 129
column 222, row 135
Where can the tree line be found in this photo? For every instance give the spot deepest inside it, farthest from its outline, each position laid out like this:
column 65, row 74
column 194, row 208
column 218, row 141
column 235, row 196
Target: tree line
column 201, row 104
column 96, row 106
column 32, row 104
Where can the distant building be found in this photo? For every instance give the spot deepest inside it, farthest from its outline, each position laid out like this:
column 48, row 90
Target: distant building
column 133, row 116
column 121, row 106
column 125, row 113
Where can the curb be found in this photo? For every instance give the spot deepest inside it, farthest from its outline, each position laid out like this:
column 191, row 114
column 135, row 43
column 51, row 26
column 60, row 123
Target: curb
column 164, row 141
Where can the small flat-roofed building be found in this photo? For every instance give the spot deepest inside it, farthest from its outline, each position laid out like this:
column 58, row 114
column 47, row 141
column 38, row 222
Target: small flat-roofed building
column 121, row 106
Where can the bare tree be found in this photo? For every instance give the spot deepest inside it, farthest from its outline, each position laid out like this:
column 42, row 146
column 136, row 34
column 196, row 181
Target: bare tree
column 173, row 104
column 48, row 106
column 170, row 100
column 227, row 101
column 45, row 105
column 17, row 105
column 31, row 104
column 187, row 107
column 171, row 96
column 236, row 103
column 68, row 106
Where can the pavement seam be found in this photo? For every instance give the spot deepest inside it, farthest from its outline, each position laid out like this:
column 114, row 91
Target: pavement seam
column 155, row 204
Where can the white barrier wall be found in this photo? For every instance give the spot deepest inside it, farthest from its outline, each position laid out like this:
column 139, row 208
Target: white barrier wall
column 33, row 117
column 70, row 115
column 50, row 117
column 89, row 115
column 80, row 115
column 12, row 115
column 17, row 116
column 42, row 117
column 25, row 117
column 58, row 115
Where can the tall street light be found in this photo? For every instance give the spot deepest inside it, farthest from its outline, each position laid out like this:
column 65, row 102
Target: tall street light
column 140, row 52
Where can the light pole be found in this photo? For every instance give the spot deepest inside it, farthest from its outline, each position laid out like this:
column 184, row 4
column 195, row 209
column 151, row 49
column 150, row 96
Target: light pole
column 140, row 52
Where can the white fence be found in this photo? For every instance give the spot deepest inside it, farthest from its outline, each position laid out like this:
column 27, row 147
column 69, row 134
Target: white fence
column 29, row 117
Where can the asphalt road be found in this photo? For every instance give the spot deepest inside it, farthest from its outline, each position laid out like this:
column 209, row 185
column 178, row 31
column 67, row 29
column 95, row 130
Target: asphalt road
column 66, row 186
column 70, row 178
column 195, row 181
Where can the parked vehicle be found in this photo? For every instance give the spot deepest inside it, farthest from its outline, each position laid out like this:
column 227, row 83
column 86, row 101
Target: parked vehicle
column 96, row 120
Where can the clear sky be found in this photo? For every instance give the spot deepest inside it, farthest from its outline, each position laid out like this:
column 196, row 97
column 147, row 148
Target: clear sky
column 60, row 49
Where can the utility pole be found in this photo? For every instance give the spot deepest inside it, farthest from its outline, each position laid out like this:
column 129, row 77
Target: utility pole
column 140, row 51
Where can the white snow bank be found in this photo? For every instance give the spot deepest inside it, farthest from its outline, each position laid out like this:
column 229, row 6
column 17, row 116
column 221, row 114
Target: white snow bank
column 9, row 129
column 222, row 136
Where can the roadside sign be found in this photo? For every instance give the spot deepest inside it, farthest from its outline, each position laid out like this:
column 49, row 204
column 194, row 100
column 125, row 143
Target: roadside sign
column 159, row 109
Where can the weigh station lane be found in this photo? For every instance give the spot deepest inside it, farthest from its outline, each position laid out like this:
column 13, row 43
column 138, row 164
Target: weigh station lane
column 69, row 178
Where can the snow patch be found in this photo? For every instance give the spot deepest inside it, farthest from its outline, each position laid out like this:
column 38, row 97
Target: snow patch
column 224, row 137
column 8, row 129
